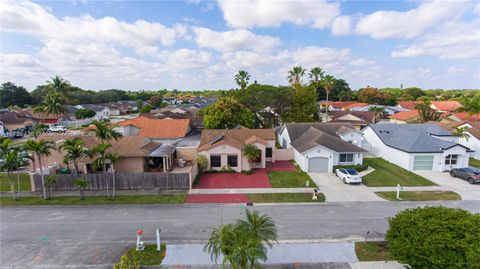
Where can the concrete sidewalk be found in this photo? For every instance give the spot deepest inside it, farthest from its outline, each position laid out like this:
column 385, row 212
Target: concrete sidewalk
column 193, row 254
column 251, row 190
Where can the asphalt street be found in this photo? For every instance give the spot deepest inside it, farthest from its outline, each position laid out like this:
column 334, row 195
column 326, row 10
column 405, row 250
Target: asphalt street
column 60, row 236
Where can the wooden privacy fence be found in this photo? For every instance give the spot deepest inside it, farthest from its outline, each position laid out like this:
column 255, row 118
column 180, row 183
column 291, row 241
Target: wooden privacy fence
column 284, row 154
column 123, row 181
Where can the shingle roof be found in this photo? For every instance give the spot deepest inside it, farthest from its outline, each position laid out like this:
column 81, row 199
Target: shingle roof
column 474, row 132
column 366, row 116
column 305, row 136
column 413, row 138
column 237, row 137
column 15, row 117
column 158, row 128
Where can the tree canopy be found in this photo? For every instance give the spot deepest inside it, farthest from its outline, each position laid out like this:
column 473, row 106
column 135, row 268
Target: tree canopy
column 13, row 95
column 227, row 112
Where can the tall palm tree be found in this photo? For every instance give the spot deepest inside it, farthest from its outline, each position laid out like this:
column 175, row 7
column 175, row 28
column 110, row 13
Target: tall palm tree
column 252, row 153
column 58, row 84
column 296, row 75
column 242, row 78
column 75, row 151
column 328, row 83
column 113, row 158
column 461, row 132
column 105, row 132
column 316, row 74
column 101, row 161
column 40, row 148
column 54, row 103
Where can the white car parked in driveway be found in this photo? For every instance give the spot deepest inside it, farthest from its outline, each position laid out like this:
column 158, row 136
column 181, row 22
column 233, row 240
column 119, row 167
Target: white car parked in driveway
column 348, row 175
column 57, row 129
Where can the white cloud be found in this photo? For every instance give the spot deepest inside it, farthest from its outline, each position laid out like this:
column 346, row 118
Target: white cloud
column 342, row 26
column 233, row 40
column 456, row 69
column 319, row 56
column 265, row 13
column 411, row 23
column 361, row 62
column 455, row 40
column 247, row 59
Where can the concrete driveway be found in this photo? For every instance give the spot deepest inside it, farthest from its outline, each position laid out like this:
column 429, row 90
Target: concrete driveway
column 336, row 191
column 466, row 190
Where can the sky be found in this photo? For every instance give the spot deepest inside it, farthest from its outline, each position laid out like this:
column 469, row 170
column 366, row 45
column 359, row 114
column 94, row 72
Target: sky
column 197, row 44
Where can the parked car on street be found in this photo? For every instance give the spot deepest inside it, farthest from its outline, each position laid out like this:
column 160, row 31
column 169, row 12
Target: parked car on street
column 57, row 129
column 470, row 174
column 348, row 175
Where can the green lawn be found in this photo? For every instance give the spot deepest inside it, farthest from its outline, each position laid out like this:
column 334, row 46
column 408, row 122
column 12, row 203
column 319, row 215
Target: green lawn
column 149, row 256
column 24, row 182
column 372, row 251
column 96, row 200
column 284, row 179
column 387, row 174
column 284, row 198
column 419, row 195
column 474, row 163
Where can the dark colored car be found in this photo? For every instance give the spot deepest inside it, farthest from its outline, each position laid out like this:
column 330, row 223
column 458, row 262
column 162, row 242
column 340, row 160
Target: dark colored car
column 471, row 174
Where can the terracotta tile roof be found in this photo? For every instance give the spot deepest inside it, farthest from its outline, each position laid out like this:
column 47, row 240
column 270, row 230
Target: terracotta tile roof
column 237, row 138
column 407, row 104
column 355, row 105
column 126, row 146
column 463, row 116
column 447, row 105
column 405, row 115
column 159, row 128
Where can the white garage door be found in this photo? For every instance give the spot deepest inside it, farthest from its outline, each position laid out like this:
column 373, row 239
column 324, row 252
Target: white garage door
column 318, row 164
column 423, row 163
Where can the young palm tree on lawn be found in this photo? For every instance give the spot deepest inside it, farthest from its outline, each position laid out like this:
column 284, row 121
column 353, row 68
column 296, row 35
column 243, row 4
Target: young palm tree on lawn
column 113, row 158
column 242, row 79
column 328, row 83
column 296, row 75
column 75, row 151
column 101, row 161
column 40, row 148
column 11, row 163
column 82, row 185
column 252, row 153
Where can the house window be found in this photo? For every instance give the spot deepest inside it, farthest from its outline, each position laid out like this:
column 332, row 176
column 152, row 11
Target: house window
column 232, row 160
column 268, row 152
column 215, row 161
column 346, row 158
column 451, row 159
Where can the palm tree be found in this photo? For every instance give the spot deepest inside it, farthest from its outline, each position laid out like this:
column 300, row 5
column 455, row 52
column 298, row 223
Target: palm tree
column 113, row 158
column 427, row 113
column 105, row 132
column 379, row 111
column 328, row 83
column 4, row 145
column 461, row 132
column 243, row 243
column 242, row 79
column 38, row 129
column 471, row 105
column 296, row 75
column 10, row 164
column 81, row 184
column 54, row 103
column 252, row 153
column 40, row 148
column 75, row 151
column 51, row 180
column 58, row 84
column 316, row 74
column 101, row 161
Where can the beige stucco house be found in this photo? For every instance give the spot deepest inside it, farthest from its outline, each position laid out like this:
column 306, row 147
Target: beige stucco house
column 223, row 148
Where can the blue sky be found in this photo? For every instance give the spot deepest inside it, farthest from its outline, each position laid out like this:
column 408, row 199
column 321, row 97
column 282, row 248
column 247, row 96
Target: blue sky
column 196, row 44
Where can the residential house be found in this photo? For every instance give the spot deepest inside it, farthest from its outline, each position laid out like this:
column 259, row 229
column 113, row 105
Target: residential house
column 14, row 120
column 358, row 119
column 353, row 106
column 410, row 105
column 175, row 133
column 170, row 100
column 416, row 147
column 472, row 142
column 440, row 106
column 318, row 147
column 388, row 110
column 44, row 118
column 223, row 147
column 334, row 105
column 409, row 116
column 139, row 154
column 102, row 111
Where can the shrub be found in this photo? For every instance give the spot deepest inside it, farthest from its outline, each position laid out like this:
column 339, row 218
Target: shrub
column 247, row 172
column 435, row 238
column 202, row 163
column 196, row 180
column 358, row 167
column 127, row 261
column 84, row 113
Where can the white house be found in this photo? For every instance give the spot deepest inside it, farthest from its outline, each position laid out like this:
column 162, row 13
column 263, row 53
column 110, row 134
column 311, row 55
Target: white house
column 223, row 147
column 318, row 147
column 473, row 142
column 416, row 147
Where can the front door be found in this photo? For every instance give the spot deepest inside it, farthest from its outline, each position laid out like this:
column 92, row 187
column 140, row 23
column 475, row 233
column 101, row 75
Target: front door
column 257, row 163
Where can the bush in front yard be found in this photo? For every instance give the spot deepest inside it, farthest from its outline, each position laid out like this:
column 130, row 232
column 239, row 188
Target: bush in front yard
column 435, row 238
column 358, row 167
